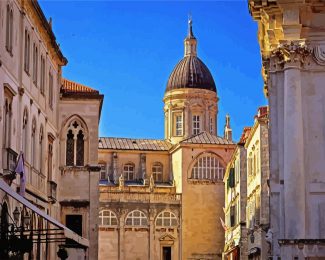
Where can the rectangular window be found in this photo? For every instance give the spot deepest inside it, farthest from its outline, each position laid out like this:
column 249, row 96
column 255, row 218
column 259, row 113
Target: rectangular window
column 196, row 124
column 103, row 172
column 50, row 90
column 178, row 125
column 9, row 29
column 50, row 158
column 42, row 75
column 27, row 52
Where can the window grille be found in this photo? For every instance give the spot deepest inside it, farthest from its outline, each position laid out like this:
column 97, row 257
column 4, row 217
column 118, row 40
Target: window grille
column 166, row 219
column 136, row 218
column 80, row 148
column 107, row 218
column 70, row 149
column 207, row 167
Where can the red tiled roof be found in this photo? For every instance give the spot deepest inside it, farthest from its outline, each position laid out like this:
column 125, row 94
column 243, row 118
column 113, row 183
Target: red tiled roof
column 68, row 86
column 244, row 135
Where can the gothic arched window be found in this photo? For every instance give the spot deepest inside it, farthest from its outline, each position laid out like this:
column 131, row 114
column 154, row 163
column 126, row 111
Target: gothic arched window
column 7, row 123
column 40, row 150
column 75, row 144
column 207, row 167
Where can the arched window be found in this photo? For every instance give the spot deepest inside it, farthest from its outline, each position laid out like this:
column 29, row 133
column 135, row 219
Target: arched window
column 136, row 218
column 207, row 167
column 128, row 171
column 33, row 144
column 40, row 150
column 7, row 124
column 75, row 144
column 50, row 89
column 25, row 132
column 107, row 218
column 27, row 51
column 157, row 172
column 35, row 64
column 80, row 148
column 166, row 219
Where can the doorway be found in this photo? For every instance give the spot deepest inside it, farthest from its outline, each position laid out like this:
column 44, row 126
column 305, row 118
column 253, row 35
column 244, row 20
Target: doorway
column 167, row 253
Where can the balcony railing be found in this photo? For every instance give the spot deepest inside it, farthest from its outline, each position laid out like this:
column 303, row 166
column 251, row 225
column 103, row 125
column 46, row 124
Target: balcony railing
column 36, row 179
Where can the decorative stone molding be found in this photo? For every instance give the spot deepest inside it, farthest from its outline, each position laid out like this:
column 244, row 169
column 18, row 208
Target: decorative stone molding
column 319, row 54
column 290, row 53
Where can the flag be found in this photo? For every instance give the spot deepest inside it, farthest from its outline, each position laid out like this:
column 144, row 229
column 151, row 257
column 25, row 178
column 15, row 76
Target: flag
column 20, row 168
column 223, row 224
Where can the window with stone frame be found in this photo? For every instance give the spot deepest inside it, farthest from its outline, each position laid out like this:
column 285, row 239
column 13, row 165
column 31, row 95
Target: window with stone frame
column 25, row 135
column 166, row 219
column 7, row 122
column 103, row 171
column 33, row 143
column 136, row 218
column 42, row 82
column 41, row 149
column 50, row 157
column 9, row 29
column 157, row 171
column 178, row 119
column 207, row 167
column 27, row 52
column 107, row 218
column 196, row 128
column 50, row 89
column 75, row 144
column 129, row 171
column 211, row 125
column 35, row 64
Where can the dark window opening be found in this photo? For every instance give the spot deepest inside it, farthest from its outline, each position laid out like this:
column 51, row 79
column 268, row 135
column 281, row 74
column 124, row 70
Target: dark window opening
column 167, row 253
column 70, row 149
column 74, row 222
column 80, row 149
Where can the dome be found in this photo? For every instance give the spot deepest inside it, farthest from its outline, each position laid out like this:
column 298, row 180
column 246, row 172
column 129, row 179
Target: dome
column 191, row 72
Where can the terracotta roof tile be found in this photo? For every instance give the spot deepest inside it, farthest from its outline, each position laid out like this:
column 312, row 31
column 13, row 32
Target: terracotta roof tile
column 68, row 86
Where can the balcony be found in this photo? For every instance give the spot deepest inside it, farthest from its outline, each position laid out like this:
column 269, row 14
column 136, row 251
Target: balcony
column 51, row 191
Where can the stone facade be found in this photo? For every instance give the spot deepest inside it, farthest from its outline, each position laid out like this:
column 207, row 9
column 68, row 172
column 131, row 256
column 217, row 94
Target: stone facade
column 37, row 107
column 162, row 199
column 291, row 37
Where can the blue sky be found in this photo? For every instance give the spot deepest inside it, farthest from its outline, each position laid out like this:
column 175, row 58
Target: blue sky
column 127, row 50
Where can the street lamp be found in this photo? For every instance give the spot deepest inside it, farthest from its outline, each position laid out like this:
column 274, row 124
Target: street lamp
column 16, row 214
column 27, row 219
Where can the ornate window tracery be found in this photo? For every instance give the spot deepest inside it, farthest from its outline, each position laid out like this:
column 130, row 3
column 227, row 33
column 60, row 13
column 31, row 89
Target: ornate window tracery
column 75, row 144
column 166, row 219
column 157, row 172
column 107, row 218
column 128, row 171
column 207, row 167
column 136, row 218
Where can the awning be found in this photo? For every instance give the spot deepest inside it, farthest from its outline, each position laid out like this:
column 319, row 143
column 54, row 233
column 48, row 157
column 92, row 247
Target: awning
column 67, row 232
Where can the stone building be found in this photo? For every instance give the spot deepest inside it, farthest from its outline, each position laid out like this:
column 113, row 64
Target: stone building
column 235, row 180
column 154, row 194
column 291, row 37
column 257, row 201
column 54, row 123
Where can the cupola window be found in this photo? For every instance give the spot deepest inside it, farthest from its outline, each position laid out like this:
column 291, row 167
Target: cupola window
column 178, row 125
column 196, row 124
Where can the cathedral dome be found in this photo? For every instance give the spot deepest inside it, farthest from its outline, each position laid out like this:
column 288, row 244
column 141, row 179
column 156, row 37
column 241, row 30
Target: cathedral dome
column 191, row 72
